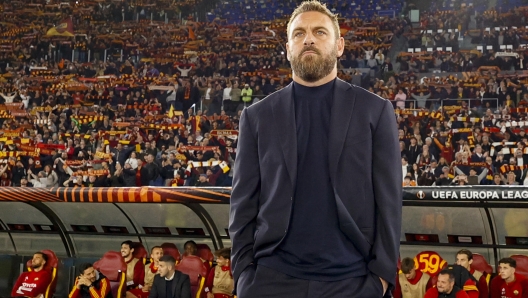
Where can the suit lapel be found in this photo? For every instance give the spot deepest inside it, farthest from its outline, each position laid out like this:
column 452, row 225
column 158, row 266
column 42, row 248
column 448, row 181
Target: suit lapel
column 285, row 128
column 175, row 282
column 339, row 124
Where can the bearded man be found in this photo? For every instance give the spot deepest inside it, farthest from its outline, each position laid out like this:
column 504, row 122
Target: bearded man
column 316, row 201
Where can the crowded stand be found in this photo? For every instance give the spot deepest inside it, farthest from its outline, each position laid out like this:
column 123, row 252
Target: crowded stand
column 98, row 100
column 94, row 94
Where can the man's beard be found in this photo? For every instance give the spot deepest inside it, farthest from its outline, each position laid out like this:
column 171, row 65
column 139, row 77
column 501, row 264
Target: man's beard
column 313, row 67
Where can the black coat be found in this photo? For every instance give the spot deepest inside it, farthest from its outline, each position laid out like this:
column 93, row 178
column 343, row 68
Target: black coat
column 181, row 286
column 365, row 171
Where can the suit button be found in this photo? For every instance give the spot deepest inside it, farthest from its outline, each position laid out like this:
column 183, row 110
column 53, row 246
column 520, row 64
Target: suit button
column 291, row 198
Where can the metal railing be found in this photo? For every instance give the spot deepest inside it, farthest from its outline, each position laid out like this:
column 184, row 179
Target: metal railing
column 436, row 104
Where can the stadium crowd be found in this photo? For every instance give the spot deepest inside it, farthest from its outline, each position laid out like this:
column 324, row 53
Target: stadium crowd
column 156, row 101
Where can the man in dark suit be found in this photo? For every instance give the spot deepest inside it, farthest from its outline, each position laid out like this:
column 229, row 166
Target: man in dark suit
column 334, row 234
column 170, row 283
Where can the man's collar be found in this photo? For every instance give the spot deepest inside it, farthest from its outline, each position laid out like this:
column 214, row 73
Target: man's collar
column 172, row 277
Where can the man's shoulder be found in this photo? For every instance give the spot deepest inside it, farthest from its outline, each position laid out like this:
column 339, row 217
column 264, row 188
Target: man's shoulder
column 181, row 275
column 361, row 94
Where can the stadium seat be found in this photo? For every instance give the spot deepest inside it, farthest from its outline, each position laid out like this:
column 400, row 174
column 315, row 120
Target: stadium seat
column 114, row 268
column 522, row 264
column 140, row 252
column 197, row 271
column 205, row 253
column 480, row 264
column 171, row 249
column 51, row 266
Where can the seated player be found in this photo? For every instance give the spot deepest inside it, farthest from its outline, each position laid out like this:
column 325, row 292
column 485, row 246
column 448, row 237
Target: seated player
column 135, row 268
column 445, row 287
column 411, row 282
column 35, row 282
column 464, row 258
column 90, row 283
column 220, row 282
column 150, row 271
column 191, row 249
column 508, row 284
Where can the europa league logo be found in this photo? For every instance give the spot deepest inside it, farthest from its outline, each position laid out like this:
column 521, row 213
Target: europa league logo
column 420, row 195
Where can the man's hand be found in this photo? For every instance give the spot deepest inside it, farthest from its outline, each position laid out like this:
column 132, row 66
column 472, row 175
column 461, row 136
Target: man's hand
column 210, row 295
column 384, row 284
column 146, row 288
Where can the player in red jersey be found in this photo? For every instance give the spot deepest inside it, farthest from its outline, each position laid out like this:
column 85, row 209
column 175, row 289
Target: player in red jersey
column 33, row 283
column 508, row 284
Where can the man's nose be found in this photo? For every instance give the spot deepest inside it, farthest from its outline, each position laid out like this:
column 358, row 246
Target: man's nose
column 309, row 39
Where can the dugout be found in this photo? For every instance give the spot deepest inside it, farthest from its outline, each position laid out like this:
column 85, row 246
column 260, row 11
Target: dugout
column 81, row 224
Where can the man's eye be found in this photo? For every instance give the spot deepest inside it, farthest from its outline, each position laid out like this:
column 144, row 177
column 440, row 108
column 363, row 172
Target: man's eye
column 320, row 32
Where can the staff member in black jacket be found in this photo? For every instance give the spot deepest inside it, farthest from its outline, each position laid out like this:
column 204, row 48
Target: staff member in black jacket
column 170, row 283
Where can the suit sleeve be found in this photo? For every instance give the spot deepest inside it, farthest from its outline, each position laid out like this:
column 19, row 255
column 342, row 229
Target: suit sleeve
column 244, row 198
column 186, row 287
column 154, row 290
column 387, row 182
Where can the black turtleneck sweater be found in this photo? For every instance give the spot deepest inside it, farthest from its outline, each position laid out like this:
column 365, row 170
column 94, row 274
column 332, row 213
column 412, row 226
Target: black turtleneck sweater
column 314, row 247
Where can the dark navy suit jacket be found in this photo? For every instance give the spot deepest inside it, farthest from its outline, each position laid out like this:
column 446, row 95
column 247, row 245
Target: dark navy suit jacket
column 365, row 169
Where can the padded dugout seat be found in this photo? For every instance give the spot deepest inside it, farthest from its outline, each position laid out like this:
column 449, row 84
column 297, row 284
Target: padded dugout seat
column 140, row 252
column 522, row 264
column 171, row 249
column 114, row 268
column 204, row 252
column 50, row 266
column 480, row 264
column 197, row 271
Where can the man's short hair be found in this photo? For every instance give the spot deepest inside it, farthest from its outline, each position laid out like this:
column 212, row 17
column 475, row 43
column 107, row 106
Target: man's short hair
column 466, row 252
column 224, row 253
column 155, row 247
column 129, row 243
column 448, row 272
column 168, row 259
column 407, row 264
column 43, row 255
column 190, row 242
column 317, row 6
column 508, row 261
column 84, row 266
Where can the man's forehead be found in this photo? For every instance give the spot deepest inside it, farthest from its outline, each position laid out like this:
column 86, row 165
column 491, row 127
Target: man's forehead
column 310, row 19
